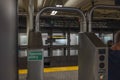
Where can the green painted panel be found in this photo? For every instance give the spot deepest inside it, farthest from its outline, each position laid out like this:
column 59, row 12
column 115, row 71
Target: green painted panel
column 34, row 55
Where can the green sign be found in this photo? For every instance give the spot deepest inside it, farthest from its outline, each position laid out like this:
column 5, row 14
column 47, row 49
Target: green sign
column 34, row 55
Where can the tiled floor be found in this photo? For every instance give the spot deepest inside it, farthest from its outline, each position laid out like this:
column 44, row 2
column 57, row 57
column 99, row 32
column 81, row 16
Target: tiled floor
column 64, row 75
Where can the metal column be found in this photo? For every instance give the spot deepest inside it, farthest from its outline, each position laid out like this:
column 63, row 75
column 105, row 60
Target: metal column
column 30, row 16
column 8, row 40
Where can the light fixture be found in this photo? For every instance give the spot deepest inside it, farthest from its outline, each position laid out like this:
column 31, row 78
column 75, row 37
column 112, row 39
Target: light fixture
column 55, row 12
column 59, row 5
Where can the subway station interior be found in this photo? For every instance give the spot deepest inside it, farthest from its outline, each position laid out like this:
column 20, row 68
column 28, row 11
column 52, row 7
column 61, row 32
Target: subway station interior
column 59, row 39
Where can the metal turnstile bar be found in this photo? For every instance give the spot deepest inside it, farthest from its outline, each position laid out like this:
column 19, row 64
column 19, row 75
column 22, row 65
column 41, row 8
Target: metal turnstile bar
column 95, row 7
column 82, row 28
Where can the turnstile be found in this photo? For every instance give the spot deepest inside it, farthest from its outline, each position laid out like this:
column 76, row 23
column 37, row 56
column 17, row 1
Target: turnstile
column 35, row 46
column 35, row 56
column 93, row 58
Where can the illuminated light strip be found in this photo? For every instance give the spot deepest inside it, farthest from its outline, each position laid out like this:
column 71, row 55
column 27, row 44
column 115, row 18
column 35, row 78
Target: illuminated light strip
column 53, row 12
column 53, row 69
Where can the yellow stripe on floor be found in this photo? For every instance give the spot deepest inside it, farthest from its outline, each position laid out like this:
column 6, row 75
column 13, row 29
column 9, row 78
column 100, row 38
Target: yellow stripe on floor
column 53, row 69
column 58, row 69
column 22, row 71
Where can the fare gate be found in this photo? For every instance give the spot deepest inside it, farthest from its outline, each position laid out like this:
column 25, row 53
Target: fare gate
column 90, row 45
column 93, row 58
column 35, row 45
column 35, row 58
column 35, row 64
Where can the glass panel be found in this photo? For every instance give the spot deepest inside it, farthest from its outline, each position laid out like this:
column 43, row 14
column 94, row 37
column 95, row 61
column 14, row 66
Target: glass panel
column 58, row 52
column 22, row 53
column 60, row 42
column 73, row 52
column 22, row 39
column 73, row 39
column 59, row 39
column 97, row 34
column 105, row 37
column 45, row 52
column 45, row 39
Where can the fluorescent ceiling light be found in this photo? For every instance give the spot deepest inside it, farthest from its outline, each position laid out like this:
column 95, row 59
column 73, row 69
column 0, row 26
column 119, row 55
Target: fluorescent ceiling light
column 53, row 12
column 59, row 5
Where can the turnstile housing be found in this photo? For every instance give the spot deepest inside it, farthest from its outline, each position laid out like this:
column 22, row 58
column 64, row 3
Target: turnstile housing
column 92, row 58
column 35, row 57
column 35, row 64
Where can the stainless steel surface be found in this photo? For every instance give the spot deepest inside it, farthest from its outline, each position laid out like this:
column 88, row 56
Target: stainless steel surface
column 8, row 36
column 30, row 19
column 35, row 67
column 89, row 58
column 95, row 7
column 35, row 70
column 83, row 28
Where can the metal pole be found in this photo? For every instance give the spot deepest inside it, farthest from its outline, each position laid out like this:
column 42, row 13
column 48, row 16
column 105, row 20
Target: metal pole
column 82, row 28
column 95, row 7
column 30, row 16
column 8, row 40
column 31, row 13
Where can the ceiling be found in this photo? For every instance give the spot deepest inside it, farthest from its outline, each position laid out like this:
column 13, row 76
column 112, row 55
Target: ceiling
column 84, row 5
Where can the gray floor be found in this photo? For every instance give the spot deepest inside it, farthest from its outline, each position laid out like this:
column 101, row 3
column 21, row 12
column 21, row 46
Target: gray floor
column 66, row 75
